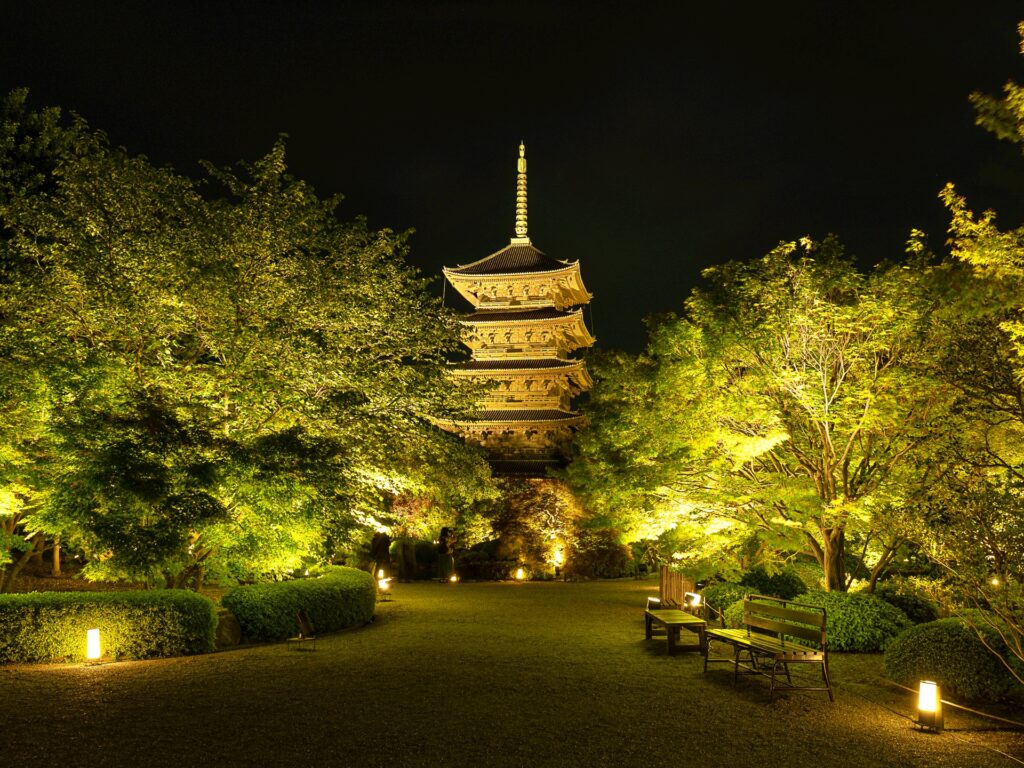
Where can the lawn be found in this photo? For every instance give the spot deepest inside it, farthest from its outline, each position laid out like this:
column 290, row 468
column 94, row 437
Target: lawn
column 536, row 674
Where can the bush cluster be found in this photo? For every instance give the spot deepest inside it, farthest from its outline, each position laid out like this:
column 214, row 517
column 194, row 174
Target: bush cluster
column 598, row 553
column 52, row 626
column 785, row 584
column 950, row 653
column 722, row 595
column 341, row 597
column 858, row 621
column 903, row 594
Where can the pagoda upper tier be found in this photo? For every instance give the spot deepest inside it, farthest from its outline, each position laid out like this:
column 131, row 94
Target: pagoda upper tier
column 544, row 332
column 519, row 276
column 527, row 320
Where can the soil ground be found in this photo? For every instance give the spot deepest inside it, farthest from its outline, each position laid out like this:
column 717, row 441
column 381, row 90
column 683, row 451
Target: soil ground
column 490, row 674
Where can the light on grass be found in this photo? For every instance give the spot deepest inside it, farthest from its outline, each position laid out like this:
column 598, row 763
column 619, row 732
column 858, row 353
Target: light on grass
column 929, row 706
column 92, row 645
column 453, row 578
column 520, row 574
column 384, row 589
column 380, row 574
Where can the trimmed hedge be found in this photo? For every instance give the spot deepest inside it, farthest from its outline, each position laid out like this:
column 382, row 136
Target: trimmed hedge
column 858, row 621
column 342, row 597
column 950, row 653
column 52, row 626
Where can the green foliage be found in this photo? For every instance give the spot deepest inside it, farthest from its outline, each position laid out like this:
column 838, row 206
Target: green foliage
column 903, row 594
column 858, row 621
column 950, row 653
column 723, row 594
column 341, row 597
column 51, row 626
column 733, row 615
column 206, row 377
column 597, row 553
column 780, row 407
column 786, row 584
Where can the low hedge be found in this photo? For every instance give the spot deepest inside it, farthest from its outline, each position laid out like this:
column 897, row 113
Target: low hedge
column 723, row 594
column 52, row 626
column 341, row 597
column 858, row 621
column 951, row 654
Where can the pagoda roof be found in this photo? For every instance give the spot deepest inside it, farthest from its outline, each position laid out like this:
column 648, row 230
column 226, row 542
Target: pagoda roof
column 513, row 259
column 515, row 414
column 513, row 364
column 511, row 315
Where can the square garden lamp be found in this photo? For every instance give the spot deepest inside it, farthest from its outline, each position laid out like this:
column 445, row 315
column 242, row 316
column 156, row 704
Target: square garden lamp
column 929, row 706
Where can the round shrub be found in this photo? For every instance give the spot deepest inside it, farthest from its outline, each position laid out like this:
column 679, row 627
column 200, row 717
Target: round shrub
column 734, row 615
column 341, row 597
column 723, row 594
column 858, row 621
column 785, row 584
column 950, row 653
column 901, row 593
column 52, row 626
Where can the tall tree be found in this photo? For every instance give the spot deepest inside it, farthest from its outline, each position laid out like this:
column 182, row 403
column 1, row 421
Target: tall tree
column 239, row 370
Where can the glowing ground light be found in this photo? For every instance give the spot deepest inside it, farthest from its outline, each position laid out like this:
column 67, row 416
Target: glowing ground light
column 929, row 706
column 380, row 574
column 92, row 644
column 520, row 574
column 453, row 578
column 383, row 583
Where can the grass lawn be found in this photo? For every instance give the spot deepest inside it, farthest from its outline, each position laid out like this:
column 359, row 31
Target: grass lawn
column 537, row 674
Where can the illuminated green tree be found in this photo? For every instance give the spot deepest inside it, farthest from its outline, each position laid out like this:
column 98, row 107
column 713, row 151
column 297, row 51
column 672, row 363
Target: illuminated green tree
column 231, row 373
column 780, row 408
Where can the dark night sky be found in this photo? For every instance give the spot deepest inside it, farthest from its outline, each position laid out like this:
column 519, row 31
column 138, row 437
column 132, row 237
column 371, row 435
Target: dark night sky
column 661, row 138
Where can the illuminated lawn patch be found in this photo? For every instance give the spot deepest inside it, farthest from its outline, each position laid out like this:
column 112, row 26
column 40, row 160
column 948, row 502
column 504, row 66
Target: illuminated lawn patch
column 490, row 674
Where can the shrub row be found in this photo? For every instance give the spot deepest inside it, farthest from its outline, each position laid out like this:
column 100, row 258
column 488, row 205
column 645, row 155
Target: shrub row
column 341, row 597
column 52, row 626
column 950, row 653
column 857, row 621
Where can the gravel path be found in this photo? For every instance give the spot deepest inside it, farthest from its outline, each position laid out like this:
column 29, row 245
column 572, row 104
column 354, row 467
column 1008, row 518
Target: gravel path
column 469, row 675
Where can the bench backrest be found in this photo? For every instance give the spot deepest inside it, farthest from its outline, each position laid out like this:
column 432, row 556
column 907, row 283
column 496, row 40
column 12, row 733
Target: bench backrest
column 785, row 619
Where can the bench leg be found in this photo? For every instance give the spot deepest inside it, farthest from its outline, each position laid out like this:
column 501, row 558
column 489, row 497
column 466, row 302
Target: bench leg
column 828, row 683
column 648, row 627
column 673, row 639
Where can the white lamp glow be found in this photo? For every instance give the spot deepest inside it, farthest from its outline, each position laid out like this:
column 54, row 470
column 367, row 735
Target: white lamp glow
column 520, row 574
column 929, row 706
column 92, row 649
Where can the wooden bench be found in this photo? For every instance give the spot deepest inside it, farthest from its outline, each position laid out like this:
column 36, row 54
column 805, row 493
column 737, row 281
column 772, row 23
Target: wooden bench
column 767, row 643
column 673, row 621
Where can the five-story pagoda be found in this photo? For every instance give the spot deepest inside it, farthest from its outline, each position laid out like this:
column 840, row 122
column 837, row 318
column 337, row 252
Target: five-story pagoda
column 526, row 322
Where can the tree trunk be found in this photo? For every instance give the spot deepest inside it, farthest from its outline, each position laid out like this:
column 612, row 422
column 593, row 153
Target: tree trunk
column 11, row 571
column 833, row 559
column 55, row 570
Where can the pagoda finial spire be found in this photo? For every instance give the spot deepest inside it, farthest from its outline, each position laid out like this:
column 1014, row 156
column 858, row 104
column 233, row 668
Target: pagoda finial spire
column 521, row 236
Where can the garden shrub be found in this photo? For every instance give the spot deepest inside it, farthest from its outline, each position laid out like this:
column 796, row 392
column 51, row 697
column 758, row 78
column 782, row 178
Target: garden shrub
column 858, row 621
column 733, row 615
column 723, row 594
column 598, row 553
column 903, row 594
column 341, row 597
column 52, row 626
column 785, row 584
column 950, row 653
